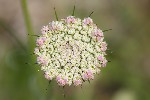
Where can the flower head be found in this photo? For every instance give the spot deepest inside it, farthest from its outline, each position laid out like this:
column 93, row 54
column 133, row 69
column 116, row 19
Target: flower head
column 71, row 50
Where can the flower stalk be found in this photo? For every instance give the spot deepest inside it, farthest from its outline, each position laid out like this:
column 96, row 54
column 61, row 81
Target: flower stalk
column 28, row 25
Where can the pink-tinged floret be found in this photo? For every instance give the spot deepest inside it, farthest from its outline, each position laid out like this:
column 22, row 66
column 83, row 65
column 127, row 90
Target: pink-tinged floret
column 103, row 46
column 77, row 82
column 40, row 41
column 55, row 26
column 36, row 50
column 85, row 76
column 45, row 29
column 100, row 58
column 61, row 81
column 98, row 32
column 70, row 19
column 47, row 76
column 58, row 78
column 39, row 59
column 88, row 21
column 104, row 62
column 42, row 61
column 98, row 38
column 88, row 75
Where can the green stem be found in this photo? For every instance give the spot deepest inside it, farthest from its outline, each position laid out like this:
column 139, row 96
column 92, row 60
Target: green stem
column 30, row 32
column 11, row 32
column 28, row 25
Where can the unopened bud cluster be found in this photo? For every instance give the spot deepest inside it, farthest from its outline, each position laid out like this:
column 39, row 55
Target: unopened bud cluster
column 71, row 50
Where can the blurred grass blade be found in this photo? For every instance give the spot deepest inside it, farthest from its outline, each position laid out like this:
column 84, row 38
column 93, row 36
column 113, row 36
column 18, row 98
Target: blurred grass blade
column 11, row 32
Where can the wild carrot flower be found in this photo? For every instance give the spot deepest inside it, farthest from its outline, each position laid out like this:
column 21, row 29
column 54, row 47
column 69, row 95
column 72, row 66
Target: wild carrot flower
column 71, row 50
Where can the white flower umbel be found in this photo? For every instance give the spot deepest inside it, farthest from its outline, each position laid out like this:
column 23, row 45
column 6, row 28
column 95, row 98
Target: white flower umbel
column 71, row 50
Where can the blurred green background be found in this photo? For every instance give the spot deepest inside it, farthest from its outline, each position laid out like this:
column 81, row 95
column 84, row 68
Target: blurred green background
column 126, row 77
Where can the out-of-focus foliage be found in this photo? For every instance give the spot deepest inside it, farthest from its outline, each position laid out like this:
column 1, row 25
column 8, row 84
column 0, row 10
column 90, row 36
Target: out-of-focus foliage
column 126, row 77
